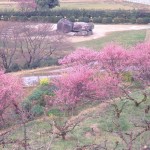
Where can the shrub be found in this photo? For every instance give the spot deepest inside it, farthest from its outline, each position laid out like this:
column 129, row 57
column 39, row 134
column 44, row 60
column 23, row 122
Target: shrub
column 54, row 15
column 41, row 19
column 132, row 20
column 118, row 20
column 55, row 112
column 37, row 110
column 97, row 19
column 35, row 103
column 83, row 19
column 127, row 76
column 72, row 19
column 146, row 20
column 33, row 18
column 5, row 18
column 23, row 18
column 47, row 18
column 35, row 64
column 36, row 97
column 44, row 81
column 27, row 105
column 49, row 62
column 107, row 20
column 140, row 21
column 57, row 18
column 13, row 18
column 143, row 20
column 15, row 67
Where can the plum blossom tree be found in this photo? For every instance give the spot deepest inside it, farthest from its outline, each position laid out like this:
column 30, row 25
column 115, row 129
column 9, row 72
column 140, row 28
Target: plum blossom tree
column 104, row 78
column 10, row 92
column 80, row 56
column 100, row 76
column 114, row 59
column 79, row 85
column 140, row 59
column 85, row 81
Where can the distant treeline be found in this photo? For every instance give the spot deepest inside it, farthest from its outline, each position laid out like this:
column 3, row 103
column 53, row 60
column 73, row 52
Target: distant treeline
column 97, row 16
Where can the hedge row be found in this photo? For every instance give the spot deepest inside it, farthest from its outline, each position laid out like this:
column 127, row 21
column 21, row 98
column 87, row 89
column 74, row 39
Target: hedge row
column 97, row 16
column 105, row 20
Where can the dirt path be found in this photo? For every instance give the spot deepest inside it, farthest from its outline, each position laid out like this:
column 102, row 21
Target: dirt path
column 101, row 31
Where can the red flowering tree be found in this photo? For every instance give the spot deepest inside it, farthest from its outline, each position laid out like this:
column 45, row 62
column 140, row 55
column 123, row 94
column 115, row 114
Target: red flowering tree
column 140, row 59
column 114, row 59
column 100, row 75
column 83, row 82
column 80, row 56
column 10, row 92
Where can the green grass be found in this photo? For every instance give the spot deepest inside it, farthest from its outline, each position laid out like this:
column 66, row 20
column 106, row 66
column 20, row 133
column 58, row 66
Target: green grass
column 103, row 122
column 98, row 5
column 125, row 38
column 6, row 6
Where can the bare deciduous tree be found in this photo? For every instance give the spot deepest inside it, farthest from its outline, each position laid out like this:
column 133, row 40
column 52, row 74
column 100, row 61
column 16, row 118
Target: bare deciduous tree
column 8, row 48
column 27, row 44
column 38, row 42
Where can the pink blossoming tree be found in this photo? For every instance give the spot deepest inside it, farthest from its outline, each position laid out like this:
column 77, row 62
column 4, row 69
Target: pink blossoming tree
column 140, row 59
column 100, row 75
column 10, row 92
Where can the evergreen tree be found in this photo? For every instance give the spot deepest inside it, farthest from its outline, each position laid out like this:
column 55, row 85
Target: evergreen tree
column 47, row 3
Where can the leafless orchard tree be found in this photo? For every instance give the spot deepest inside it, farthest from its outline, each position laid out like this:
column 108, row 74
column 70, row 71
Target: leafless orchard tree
column 26, row 44
column 21, row 120
column 8, row 45
column 38, row 42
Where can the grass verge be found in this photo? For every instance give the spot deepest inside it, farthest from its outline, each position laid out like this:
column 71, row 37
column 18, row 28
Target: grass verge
column 125, row 38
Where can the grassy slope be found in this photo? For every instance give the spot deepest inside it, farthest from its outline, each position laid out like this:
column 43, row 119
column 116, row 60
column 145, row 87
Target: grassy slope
column 97, row 5
column 125, row 38
column 82, row 134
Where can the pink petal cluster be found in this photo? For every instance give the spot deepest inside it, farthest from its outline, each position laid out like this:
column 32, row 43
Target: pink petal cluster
column 73, row 85
column 114, row 58
column 83, row 82
column 140, row 59
column 80, row 56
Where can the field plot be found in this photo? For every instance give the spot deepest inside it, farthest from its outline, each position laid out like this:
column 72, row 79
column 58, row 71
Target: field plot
column 6, row 5
column 97, row 5
column 72, row 4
